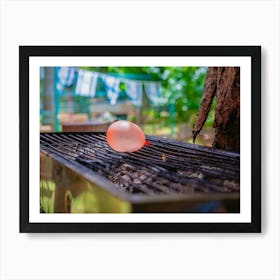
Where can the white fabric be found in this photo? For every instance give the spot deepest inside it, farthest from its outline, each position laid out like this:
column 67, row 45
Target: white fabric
column 66, row 77
column 112, row 86
column 153, row 93
column 86, row 83
column 134, row 90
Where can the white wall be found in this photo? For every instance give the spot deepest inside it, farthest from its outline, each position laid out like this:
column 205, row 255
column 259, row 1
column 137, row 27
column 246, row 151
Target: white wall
column 138, row 256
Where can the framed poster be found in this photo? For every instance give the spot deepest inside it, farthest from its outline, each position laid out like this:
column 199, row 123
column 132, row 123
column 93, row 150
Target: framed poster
column 140, row 138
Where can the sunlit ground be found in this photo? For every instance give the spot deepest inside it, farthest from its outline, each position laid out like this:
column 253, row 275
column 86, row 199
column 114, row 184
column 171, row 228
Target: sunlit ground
column 182, row 132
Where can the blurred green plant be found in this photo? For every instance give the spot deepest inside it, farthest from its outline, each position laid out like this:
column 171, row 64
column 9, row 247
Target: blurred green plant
column 181, row 86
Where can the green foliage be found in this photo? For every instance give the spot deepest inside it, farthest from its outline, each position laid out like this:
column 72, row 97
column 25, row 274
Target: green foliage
column 181, row 86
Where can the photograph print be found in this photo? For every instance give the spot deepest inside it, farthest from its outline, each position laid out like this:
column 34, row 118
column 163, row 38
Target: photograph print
column 135, row 140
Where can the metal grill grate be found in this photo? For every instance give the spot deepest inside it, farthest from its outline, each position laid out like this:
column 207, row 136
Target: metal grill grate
column 165, row 167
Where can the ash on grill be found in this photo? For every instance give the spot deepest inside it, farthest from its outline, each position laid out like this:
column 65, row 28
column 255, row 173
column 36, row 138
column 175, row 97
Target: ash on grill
column 184, row 167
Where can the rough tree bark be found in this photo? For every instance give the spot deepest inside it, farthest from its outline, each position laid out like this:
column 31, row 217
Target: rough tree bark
column 224, row 84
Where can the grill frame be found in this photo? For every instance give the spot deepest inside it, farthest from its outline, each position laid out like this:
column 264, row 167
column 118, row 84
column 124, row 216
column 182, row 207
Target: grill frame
column 142, row 202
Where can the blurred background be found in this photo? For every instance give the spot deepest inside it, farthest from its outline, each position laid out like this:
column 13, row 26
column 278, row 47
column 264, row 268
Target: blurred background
column 163, row 101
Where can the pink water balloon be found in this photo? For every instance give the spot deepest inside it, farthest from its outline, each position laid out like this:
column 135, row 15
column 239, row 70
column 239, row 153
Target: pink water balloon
column 125, row 136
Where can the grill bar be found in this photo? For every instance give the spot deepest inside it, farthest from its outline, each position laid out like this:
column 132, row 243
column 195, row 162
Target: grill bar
column 165, row 167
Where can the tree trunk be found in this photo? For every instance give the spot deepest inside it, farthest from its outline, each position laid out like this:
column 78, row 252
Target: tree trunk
column 224, row 83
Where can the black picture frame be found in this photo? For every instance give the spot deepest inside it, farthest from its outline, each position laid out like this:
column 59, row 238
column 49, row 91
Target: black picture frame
column 254, row 52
